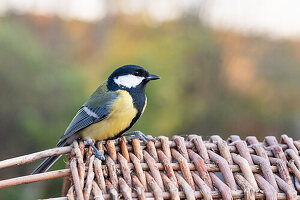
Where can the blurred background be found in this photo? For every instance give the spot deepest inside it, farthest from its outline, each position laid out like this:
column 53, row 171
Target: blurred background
column 226, row 67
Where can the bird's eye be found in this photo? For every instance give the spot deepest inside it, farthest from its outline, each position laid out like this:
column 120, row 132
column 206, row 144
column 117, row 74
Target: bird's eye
column 136, row 73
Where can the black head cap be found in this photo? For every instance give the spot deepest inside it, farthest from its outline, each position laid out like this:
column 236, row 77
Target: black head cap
column 129, row 69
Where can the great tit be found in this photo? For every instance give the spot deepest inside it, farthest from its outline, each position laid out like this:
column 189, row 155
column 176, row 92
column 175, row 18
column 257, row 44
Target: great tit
column 109, row 112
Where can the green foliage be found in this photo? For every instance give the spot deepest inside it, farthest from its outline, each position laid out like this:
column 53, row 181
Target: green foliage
column 38, row 96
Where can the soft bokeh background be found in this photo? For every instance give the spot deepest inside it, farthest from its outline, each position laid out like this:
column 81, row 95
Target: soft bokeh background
column 226, row 67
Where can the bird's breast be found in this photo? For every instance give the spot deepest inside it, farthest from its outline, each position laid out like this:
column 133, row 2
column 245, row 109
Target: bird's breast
column 122, row 112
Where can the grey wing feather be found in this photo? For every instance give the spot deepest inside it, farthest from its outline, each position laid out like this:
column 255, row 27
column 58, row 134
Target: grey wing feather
column 83, row 118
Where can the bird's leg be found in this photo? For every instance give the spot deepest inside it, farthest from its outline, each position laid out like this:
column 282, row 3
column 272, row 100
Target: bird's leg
column 139, row 135
column 96, row 152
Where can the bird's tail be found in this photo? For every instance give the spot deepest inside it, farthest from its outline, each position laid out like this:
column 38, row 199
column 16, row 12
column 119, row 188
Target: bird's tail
column 46, row 164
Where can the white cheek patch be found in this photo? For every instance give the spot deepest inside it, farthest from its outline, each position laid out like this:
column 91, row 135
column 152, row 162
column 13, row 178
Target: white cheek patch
column 129, row 80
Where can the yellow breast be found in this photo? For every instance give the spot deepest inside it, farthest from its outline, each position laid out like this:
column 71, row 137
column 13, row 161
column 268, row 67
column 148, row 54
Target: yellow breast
column 122, row 113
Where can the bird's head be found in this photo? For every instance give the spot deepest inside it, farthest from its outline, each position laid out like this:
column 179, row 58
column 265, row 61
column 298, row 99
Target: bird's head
column 130, row 77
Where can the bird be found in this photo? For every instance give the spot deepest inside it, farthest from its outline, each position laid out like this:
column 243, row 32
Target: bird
column 109, row 112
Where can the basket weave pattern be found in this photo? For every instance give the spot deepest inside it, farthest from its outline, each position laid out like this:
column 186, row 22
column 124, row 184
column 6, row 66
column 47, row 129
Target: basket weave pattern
column 191, row 168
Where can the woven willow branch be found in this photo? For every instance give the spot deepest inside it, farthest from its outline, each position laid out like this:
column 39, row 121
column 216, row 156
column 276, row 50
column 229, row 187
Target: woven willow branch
column 177, row 168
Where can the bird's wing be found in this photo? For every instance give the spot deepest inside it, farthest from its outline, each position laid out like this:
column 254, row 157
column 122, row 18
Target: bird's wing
column 93, row 111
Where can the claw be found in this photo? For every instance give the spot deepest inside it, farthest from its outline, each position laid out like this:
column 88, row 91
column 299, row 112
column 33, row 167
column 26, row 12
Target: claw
column 96, row 152
column 139, row 135
column 99, row 155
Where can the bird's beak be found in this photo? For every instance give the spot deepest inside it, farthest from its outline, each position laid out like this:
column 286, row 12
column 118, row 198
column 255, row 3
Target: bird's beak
column 152, row 77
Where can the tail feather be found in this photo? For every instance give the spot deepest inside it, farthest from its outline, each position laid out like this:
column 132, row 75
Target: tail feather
column 46, row 164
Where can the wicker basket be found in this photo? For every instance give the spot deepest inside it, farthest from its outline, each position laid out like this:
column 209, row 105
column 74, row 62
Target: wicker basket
column 186, row 169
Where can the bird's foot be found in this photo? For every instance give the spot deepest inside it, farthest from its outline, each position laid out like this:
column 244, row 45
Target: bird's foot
column 96, row 152
column 99, row 155
column 139, row 135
